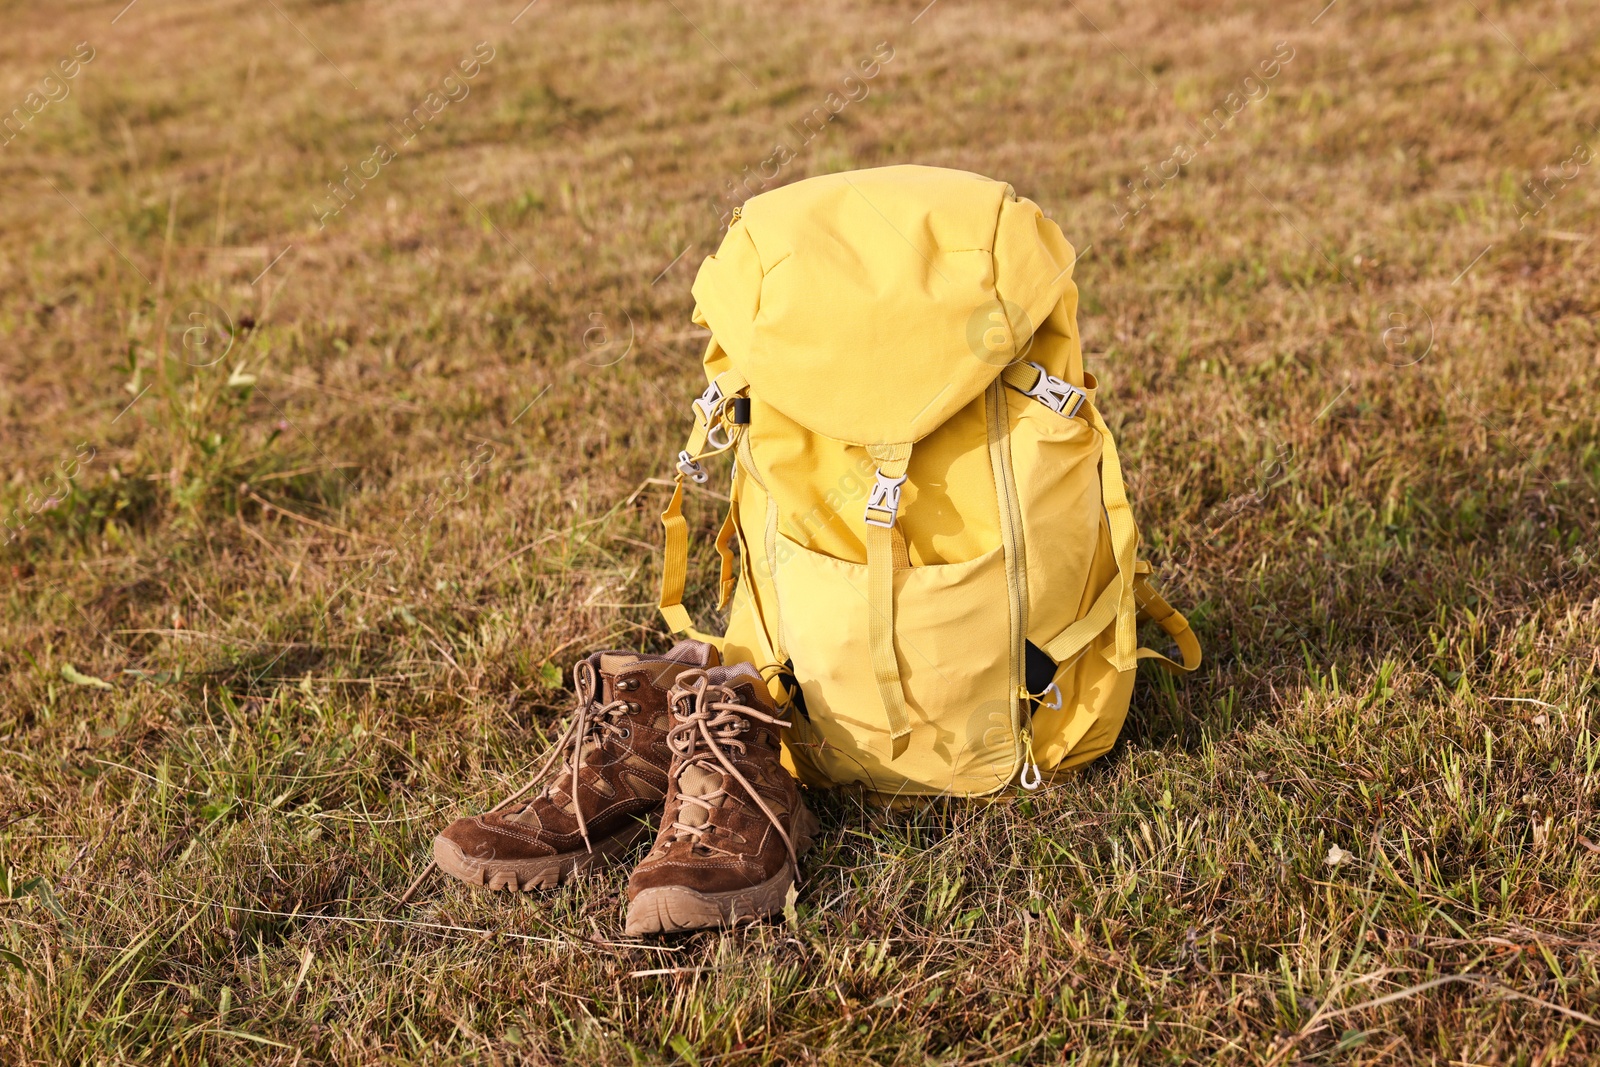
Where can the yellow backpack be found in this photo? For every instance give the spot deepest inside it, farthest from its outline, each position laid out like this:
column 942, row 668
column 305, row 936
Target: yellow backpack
column 936, row 561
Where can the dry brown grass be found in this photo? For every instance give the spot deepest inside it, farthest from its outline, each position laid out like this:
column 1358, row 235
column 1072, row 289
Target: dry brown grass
column 318, row 648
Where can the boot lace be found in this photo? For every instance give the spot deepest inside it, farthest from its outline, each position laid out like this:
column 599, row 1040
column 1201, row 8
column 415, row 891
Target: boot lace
column 591, row 723
column 709, row 719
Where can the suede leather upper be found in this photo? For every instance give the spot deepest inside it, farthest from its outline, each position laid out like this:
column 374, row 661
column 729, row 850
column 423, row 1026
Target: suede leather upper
column 622, row 777
column 741, row 848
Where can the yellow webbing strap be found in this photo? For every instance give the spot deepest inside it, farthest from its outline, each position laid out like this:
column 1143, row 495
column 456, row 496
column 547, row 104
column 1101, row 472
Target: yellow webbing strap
column 725, row 539
column 1066, row 645
column 1153, row 608
column 675, row 529
column 770, row 656
column 891, row 460
column 1115, row 604
column 675, row 569
column 1020, row 376
column 675, row 561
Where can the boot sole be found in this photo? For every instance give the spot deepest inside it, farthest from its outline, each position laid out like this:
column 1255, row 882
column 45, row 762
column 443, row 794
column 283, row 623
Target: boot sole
column 670, row 909
column 546, row 872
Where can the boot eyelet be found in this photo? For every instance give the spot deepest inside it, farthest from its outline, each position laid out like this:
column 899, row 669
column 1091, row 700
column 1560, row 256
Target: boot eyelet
column 633, row 707
column 626, row 733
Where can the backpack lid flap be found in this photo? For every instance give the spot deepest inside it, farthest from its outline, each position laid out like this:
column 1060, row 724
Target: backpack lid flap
column 870, row 306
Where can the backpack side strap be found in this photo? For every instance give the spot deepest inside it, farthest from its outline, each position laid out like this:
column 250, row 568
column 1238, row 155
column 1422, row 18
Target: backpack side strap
column 710, row 410
column 1153, row 608
column 675, row 570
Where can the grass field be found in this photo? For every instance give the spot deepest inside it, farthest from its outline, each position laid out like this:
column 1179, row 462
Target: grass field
column 313, row 497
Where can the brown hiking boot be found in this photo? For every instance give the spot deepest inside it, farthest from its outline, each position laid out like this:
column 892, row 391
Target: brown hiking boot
column 734, row 825
column 600, row 803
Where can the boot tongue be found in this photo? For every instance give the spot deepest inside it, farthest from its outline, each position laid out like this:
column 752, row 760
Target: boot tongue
column 696, row 780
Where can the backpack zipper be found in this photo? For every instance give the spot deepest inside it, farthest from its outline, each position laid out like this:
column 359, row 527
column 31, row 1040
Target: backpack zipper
column 1016, row 577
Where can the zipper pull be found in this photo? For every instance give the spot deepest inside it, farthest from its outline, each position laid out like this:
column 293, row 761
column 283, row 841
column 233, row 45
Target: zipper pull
column 1031, row 777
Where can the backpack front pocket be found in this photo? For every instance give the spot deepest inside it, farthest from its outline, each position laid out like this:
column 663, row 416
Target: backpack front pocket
column 952, row 643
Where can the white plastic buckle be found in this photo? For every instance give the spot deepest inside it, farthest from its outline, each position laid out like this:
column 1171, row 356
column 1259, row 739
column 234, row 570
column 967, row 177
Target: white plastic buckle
column 707, row 402
column 1056, row 394
column 690, row 469
column 885, row 498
